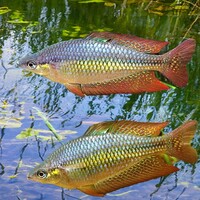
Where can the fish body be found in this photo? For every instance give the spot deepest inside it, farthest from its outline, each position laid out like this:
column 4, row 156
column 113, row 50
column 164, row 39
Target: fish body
column 106, row 63
column 112, row 155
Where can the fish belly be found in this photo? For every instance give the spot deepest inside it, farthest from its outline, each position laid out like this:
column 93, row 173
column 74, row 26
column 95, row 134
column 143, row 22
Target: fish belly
column 143, row 170
column 104, row 157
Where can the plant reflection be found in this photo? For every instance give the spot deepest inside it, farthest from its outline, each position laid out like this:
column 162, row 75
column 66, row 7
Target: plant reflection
column 2, row 169
column 29, row 26
column 1, row 138
column 19, row 161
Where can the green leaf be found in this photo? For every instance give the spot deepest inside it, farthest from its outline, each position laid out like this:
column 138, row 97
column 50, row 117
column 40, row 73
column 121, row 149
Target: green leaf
column 13, row 176
column 18, row 21
column 29, row 132
column 92, row 1
column 48, row 124
column 18, row 18
column 169, row 85
column 4, row 10
column 44, row 138
column 10, row 123
column 76, row 28
column 65, row 32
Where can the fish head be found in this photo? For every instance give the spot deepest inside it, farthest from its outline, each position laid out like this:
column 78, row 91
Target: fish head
column 35, row 64
column 45, row 175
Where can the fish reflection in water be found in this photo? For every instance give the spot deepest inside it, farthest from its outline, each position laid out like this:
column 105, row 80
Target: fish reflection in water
column 112, row 155
column 109, row 63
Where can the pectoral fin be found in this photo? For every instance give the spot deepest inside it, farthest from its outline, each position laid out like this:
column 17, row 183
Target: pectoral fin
column 131, row 41
column 75, row 88
column 146, row 169
column 126, row 127
column 135, row 83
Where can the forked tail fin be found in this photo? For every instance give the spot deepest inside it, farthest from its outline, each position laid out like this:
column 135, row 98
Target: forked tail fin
column 180, row 146
column 176, row 60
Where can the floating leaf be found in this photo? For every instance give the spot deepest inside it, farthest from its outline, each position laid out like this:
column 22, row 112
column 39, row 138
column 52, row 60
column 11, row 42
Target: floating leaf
column 17, row 21
column 77, row 28
column 109, row 4
column 36, row 32
column 181, row 7
column 67, row 132
column 4, row 10
column 156, row 12
column 63, row 132
column 185, row 183
column 73, row 34
column 18, row 18
column 4, row 104
column 83, row 35
column 92, row 1
column 16, row 15
column 65, row 32
column 90, row 122
column 10, row 123
column 45, row 138
column 43, row 131
column 103, row 29
column 13, row 176
column 29, row 132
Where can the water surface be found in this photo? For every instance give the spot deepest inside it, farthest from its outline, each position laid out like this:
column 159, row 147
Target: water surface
column 28, row 26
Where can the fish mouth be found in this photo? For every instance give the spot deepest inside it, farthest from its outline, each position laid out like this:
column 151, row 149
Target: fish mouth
column 29, row 177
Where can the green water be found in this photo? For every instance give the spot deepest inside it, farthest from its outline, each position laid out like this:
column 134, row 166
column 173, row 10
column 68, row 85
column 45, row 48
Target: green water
column 29, row 26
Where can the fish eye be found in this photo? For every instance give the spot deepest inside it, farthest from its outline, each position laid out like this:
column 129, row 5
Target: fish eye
column 31, row 64
column 41, row 174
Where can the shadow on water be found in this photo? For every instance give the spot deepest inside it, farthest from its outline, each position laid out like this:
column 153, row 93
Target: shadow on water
column 29, row 26
column 2, row 170
column 1, row 138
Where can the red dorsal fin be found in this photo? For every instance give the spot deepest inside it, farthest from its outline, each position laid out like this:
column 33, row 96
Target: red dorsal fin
column 126, row 127
column 133, row 84
column 137, row 43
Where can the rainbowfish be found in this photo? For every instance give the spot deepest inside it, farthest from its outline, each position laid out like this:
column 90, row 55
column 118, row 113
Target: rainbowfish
column 116, row 154
column 109, row 63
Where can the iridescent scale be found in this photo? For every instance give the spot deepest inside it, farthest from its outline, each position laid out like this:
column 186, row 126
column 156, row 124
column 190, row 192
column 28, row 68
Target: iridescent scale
column 95, row 155
column 88, row 61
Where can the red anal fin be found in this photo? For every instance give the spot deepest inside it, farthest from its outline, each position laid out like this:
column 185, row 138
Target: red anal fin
column 91, row 190
column 75, row 88
column 126, row 127
column 137, row 43
column 146, row 169
column 133, row 84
